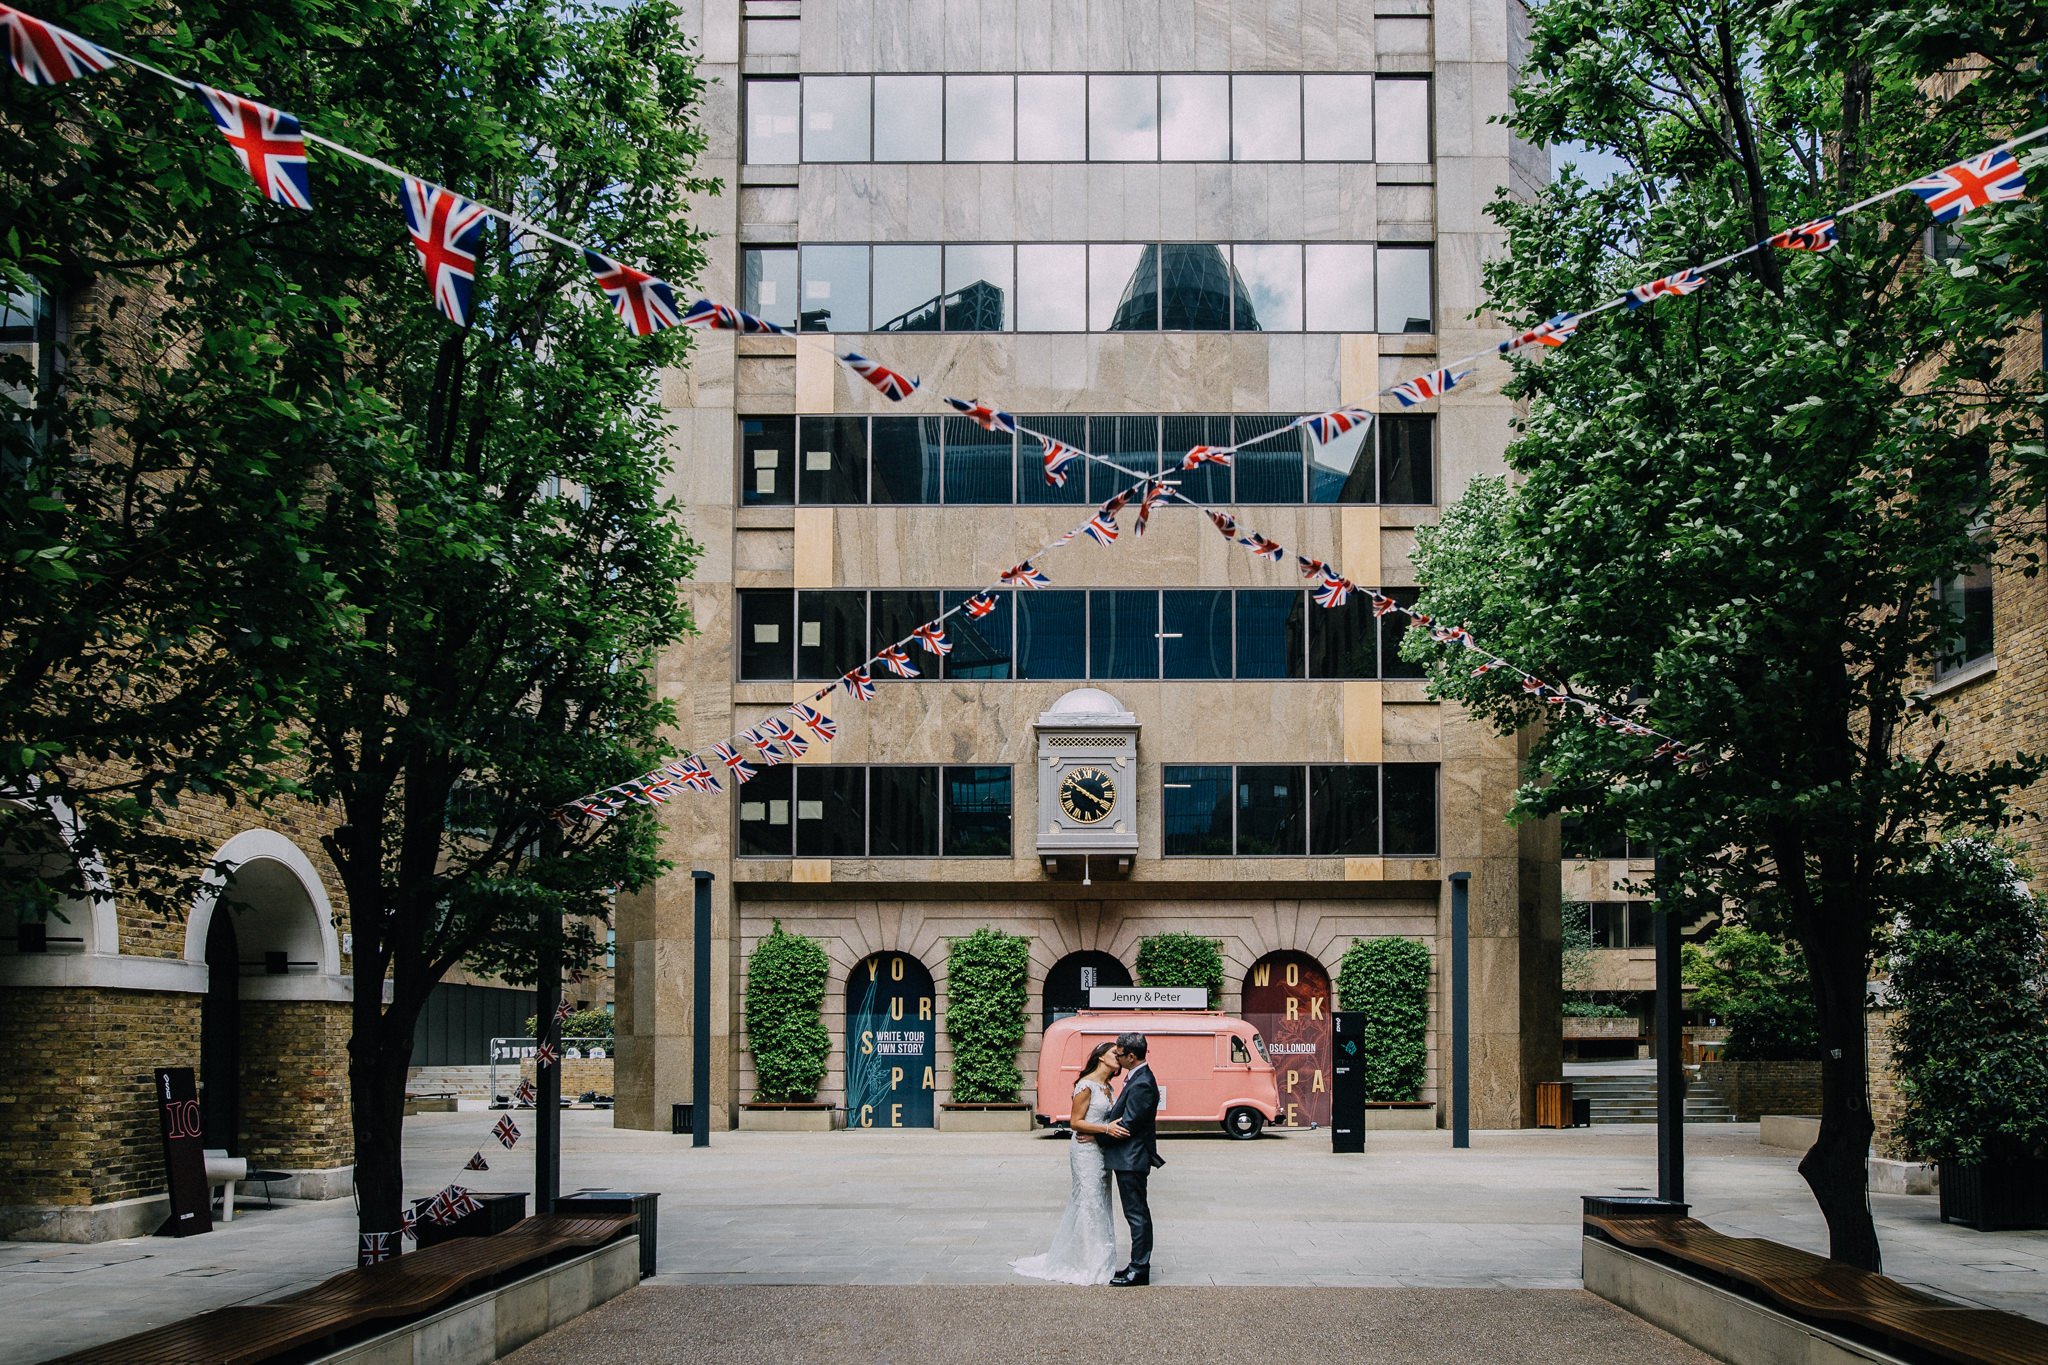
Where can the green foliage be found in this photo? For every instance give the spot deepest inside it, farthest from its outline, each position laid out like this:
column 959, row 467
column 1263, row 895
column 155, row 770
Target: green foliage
column 986, row 990
column 1969, row 966
column 1182, row 960
column 580, row 1024
column 1576, row 945
column 1578, row 1007
column 785, row 992
column 1387, row 980
column 1757, row 986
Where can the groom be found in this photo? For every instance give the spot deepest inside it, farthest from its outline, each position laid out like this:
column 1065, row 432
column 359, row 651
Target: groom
column 1131, row 1150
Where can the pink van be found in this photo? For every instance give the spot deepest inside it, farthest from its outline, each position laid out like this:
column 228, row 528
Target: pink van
column 1211, row 1068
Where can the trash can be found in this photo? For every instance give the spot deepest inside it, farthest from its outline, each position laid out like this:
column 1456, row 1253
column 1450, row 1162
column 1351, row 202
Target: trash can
column 1553, row 1104
column 1582, row 1112
column 616, row 1204
column 679, row 1118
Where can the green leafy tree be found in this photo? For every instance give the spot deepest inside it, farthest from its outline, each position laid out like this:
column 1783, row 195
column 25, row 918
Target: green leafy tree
column 1758, row 986
column 1387, row 980
column 1727, row 509
column 987, row 985
column 785, row 991
column 1182, row 960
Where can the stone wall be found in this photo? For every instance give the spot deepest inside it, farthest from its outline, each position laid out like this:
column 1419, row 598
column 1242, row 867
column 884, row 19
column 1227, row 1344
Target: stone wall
column 1753, row 1089
column 1886, row 1104
column 578, row 1075
column 295, row 1108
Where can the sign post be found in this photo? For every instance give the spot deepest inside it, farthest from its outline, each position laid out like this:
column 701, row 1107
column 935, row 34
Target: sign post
column 177, row 1107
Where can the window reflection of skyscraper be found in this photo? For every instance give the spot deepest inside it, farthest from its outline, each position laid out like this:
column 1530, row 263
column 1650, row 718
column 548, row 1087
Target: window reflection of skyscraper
column 1183, row 287
column 976, row 308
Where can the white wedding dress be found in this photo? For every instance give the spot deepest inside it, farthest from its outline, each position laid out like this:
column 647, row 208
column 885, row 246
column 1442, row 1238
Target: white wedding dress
column 1084, row 1248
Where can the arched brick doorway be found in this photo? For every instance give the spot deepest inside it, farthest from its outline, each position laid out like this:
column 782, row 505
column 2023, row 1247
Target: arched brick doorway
column 1287, row 999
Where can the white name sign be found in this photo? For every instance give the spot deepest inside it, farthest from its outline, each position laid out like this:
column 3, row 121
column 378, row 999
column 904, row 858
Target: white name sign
column 1147, row 998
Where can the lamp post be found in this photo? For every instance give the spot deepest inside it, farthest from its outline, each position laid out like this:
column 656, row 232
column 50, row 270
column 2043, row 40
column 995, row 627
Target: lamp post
column 700, row 1017
column 1670, row 1045
column 1461, row 1011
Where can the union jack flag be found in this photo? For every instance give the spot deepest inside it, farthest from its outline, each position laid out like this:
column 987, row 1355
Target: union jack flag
column 447, row 231
column 1818, row 235
column 898, row 662
column 719, row 318
column 1225, row 523
column 1559, row 698
column 44, row 54
column 777, row 729
column 698, row 777
column 771, row 753
column 1382, row 604
column 438, row 1209
column 506, row 1131
column 797, row 745
column 1488, row 667
column 1312, row 568
column 816, row 721
column 1669, row 746
column 1155, row 493
column 988, row 418
column 1972, row 183
column 461, row 1202
column 1684, row 282
column 1424, row 387
column 1058, row 455
column 476, row 1162
column 546, row 1055
column 1448, row 635
column 1262, row 547
column 269, row 144
column 646, row 305
column 1065, row 538
column 1025, row 575
column 1535, row 686
column 933, row 634
column 980, row 605
column 562, row 1011
column 1555, row 332
column 859, row 685
column 525, row 1092
column 887, row 382
column 374, row 1248
column 1201, row 455
column 409, row 1221
column 735, row 762
column 1101, row 527
column 1335, row 592
column 1328, row 426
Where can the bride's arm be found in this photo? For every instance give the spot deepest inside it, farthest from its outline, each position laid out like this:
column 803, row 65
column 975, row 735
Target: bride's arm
column 1079, row 1122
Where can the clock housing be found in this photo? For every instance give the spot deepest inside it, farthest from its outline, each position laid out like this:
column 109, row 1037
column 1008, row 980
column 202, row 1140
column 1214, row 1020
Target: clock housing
column 1087, row 784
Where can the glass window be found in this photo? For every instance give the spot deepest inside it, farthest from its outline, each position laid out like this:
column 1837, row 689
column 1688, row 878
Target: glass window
column 771, row 122
column 1337, row 118
column 1205, row 483
column 1270, row 629
column 906, row 288
column 835, row 297
column 836, row 118
column 1195, row 811
column 1049, row 298
column 1341, row 470
column 1401, row 118
column 977, row 288
column 768, row 284
column 1609, row 923
column 977, row 812
column 1052, row 633
column 1342, row 641
column 1407, row 458
column 905, row 454
column 909, row 118
column 767, row 461
column 1404, row 289
column 1123, row 118
column 766, row 808
column 1580, row 846
column 1123, row 288
column 1194, row 118
column 1340, row 287
column 1269, row 280
column 1123, row 633
column 1032, row 486
column 1392, row 627
column 1642, row 924
column 1270, row 809
column 1344, row 810
column 1132, row 442
column 833, row 460
column 1052, row 118
column 1198, row 291
column 1265, row 118
column 903, row 812
column 980, row 118
column 978, row 463
column 766, row 634
column 981, row 644
column 892, row 615
column 1269, row 470
column 831, row 632
column 831, row 811
column 1408, row 804
column 1194, row 634
column 1968, row 600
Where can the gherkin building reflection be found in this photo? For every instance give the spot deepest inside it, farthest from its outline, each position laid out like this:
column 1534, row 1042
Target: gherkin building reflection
column 1184, row 287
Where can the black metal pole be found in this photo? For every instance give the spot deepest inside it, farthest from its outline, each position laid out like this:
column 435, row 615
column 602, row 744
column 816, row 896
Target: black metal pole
column 547, row 1151
column 1670, row 1047
column 700, row 1018
column 1461, row 1012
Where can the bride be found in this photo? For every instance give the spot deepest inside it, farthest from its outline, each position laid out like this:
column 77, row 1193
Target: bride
column 1084, row 1248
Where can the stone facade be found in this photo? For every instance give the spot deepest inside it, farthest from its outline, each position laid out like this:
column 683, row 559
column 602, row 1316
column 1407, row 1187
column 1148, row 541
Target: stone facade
column 1753, row 1089
column 295, row 1105
column 1886, row 1104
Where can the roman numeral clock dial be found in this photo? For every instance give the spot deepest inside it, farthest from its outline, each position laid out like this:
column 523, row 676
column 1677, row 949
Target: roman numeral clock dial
column 1087, row 795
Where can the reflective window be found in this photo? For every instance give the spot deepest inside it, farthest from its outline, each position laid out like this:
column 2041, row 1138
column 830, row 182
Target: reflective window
column 1272, row 810
column 1343, row 641
column 768, row 284
column 1401, row 118
column 1271, row 469
column 1194, row 118
column 771, row 122
column 766, row 635
column 1123, row 633
column 978, row 288
column 831, row 632
column 907, row 290
column 978, row 463
column 1123, row 118
column 1407, row 457
column 1205, row 483
column 1194, row 634
column 1265, row 118
column 767, row 460
column 892, row 615
column 1195, row 811
column 904, row 452
column 831, row 811
column 977, row 817
column 1198, row 291
column 1052, row 633
column 1972, row 636
column 909, row 118
column 836, row 118
column 903, row 812
column 1052, row 118
column 1032, row 485
column 981, row 644
column 1404, row 289
column 1263, row 810
column 1130, row 442
column 1336, row 118
column 1409, row 805
column 1047, row 297
column 767, row 810
column 835, row 289
column 833, row 461
column 1392, row 628
column 846, row 811
column 1271, row 629
column 1342, row 470
column 1269, row 278
column 1344, row 810
column 1340, row 286
column 980, row 118
column 1123, row 288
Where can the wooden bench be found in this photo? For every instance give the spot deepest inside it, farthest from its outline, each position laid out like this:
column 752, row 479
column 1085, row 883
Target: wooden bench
column 1874, row 1307
column 404, row 1287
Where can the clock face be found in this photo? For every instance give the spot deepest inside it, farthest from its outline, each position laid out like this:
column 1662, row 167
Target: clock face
column 1087, row 795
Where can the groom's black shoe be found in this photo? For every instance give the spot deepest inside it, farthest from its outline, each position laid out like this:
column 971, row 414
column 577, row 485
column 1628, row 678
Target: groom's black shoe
column 1127, row 1276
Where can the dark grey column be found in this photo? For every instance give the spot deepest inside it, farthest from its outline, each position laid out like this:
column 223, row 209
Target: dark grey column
column 547, row 996
column 700, row 1018
column 1461, row 1011
column 1670, row 1046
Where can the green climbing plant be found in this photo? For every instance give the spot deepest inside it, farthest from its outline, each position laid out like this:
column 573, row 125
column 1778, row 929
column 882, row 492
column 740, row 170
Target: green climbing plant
column 1182, row 960
column 986, row 990
column 1387, row 980
column 785, row 993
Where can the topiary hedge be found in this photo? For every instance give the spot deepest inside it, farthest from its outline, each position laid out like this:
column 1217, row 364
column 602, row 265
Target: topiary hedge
column 1182, row 960
column 1387, row 980
column 785, row 993
column 986, row 989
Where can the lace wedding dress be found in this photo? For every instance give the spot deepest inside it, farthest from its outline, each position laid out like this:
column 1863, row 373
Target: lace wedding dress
column 1084, row 1248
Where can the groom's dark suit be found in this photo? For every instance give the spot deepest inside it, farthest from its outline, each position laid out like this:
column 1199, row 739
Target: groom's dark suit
column 1133, row 1157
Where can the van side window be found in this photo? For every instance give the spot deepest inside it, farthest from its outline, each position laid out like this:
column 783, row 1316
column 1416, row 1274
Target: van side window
column 1238, row 1055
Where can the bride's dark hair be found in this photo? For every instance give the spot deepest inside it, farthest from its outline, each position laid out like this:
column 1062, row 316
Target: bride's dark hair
column 1095, row 1057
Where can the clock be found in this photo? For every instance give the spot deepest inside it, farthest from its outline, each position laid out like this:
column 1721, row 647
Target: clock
column 1087, row 795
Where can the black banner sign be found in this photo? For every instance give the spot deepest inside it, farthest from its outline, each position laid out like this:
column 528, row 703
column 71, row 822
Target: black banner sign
column 177, row 1105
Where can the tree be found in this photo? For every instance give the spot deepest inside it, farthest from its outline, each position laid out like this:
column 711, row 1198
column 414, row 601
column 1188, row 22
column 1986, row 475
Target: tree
column 1757, row 985
column 987, row 985
column 786, row 979
column 1727, row 509
column 1387, row 981
column 1182, row 960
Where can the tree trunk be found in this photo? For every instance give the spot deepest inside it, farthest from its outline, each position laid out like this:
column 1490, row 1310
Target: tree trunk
column 1837, row 1167
column 376, row 1077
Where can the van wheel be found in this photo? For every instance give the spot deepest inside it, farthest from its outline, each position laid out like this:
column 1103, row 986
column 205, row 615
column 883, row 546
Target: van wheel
column 1244, row 1124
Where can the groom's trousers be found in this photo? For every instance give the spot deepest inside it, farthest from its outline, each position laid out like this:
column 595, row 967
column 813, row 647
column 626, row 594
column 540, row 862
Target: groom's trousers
column 1130, row 1189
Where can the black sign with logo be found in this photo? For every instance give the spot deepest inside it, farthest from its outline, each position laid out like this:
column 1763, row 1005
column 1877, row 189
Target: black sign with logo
column 177, row 1105
column 1347, row 1082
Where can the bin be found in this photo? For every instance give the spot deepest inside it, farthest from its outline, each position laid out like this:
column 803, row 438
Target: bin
column 679, row 1117
column 500, row 1211
column 1553, row 1104
column 610, row 1203
column 1582, row 1112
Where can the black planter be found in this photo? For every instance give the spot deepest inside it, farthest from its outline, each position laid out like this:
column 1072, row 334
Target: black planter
column 1994, row 1195
column 499, row 1212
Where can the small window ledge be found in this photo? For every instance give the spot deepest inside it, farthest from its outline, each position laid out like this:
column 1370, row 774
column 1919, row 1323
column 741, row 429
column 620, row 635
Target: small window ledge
column 1974, row 671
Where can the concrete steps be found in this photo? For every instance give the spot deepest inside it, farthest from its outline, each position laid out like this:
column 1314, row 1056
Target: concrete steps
column 1633, row 1099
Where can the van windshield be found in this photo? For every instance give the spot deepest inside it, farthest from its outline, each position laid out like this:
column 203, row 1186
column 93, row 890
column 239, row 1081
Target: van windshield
column 1260, row 1044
